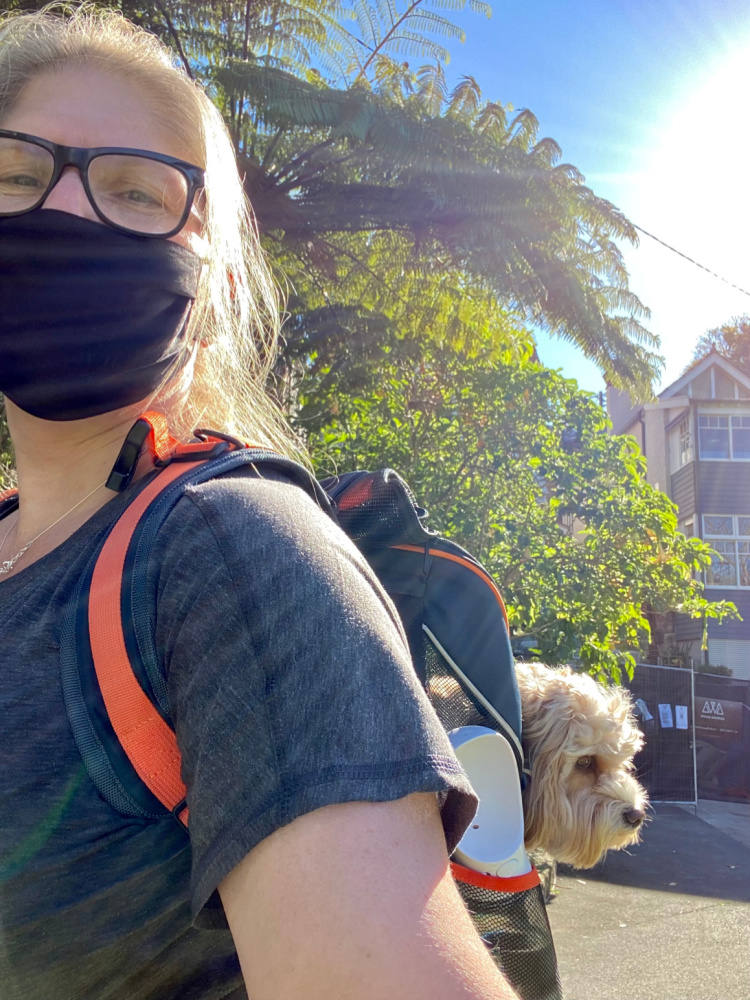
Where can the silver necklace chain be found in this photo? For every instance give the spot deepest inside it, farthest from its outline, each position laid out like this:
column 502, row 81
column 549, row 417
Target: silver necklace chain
column 7, row 565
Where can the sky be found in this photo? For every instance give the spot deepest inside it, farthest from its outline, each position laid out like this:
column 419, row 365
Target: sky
column 650, row 99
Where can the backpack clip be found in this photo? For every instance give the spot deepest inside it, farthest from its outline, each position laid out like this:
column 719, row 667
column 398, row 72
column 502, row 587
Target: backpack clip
column 180, row 813
column 210, row 444
column 123, row 470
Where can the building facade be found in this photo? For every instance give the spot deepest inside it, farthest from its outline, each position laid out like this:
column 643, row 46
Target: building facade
column 696, row 440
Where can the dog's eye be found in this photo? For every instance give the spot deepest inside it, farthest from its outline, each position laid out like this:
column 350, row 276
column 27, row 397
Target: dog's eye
column 584, row 763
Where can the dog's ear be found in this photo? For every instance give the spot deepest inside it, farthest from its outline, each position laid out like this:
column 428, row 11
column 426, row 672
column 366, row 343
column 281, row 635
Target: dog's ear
column 620, row 708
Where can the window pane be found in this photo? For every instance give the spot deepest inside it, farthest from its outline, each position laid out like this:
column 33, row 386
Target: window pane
column 714, row 442
column 717, row 524
column 743, row 525
column 744, row 563
column 741, row 437
column 685, row 455
column 723, row 569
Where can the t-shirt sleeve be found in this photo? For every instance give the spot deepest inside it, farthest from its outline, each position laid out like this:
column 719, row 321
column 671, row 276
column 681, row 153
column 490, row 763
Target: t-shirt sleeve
column 289, row 679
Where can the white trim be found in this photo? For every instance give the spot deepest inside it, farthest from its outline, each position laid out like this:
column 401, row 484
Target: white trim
column 734, row 537
column 711, row 359
column 476, row 692
column 670, row 404
column 728, row 415
column 713, row 408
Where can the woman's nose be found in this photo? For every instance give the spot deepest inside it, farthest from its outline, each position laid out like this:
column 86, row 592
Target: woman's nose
column 68, row 195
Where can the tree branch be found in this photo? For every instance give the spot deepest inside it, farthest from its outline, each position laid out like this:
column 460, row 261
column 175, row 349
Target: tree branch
column 387, row 37
column 175, row 37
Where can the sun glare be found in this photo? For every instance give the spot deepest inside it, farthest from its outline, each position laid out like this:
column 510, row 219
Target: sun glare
column 694, row 192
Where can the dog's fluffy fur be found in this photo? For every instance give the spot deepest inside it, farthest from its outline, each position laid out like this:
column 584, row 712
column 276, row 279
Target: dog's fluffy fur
column 579, row 740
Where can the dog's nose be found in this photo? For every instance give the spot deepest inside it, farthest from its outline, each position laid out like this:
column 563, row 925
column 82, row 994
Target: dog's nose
column 634, row 817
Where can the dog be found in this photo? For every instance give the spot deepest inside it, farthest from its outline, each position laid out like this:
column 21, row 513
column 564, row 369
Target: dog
column 579, row 740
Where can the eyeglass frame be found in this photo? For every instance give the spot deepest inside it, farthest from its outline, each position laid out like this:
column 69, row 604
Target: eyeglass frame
column 81, row 157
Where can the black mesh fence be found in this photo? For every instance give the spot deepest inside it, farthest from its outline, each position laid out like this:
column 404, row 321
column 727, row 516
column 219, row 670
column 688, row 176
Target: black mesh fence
column 664, row 705
column 722, row 738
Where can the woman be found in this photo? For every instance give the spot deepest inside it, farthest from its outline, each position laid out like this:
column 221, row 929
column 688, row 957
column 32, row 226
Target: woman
column 314, row 765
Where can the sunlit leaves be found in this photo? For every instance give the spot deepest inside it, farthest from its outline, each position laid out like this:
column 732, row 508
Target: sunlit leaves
column 576, row 538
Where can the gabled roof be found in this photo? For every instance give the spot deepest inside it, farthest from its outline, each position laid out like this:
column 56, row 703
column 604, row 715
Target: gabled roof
column 712, row 358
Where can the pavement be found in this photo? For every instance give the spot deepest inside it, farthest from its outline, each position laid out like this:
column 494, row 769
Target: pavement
column 668, row 919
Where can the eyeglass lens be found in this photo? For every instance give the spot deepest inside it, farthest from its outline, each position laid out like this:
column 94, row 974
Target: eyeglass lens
column 135, row 192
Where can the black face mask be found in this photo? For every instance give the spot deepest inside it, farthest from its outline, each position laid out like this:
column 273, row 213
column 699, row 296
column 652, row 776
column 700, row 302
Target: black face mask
column 91, row 319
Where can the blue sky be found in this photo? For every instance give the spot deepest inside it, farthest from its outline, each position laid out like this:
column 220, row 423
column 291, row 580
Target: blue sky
column 650, row 100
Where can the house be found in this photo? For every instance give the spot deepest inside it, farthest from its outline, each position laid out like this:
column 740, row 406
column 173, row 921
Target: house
column 696, row 440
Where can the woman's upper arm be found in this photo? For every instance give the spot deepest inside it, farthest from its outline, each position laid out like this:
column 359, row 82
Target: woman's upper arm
column 289, row 681
column 356, row 902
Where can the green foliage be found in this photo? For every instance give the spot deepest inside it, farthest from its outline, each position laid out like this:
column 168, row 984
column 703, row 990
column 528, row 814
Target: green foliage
column 466, row 193
column 420, row 229
column 731, row 341
column 514, row 463
column 714, row 668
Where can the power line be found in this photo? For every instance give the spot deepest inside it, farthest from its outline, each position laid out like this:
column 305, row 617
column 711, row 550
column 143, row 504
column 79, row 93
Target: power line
column 685, row 257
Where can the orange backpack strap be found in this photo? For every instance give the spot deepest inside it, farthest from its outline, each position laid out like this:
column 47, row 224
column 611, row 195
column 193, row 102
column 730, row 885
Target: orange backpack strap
column 148, row 741
column 114, row 688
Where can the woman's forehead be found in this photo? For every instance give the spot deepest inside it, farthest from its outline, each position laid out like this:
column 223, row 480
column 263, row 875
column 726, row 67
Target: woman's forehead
column 87, row 106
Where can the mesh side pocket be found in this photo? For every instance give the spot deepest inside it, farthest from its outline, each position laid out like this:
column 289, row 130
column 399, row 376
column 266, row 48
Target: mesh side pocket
column 454, row 706
column 511, row 919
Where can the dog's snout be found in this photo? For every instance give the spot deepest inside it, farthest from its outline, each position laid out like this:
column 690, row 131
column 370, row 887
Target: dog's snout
column 634, row 817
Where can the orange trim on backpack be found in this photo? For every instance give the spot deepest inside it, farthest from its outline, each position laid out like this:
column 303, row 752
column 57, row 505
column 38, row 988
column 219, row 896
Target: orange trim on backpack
column 495, row 883
column 161, row 443
column 148, row 741
column 469, row 565
column 7, row 494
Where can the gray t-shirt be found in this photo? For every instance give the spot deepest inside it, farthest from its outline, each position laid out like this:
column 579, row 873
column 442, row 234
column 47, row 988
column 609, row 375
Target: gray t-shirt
column 290, row 687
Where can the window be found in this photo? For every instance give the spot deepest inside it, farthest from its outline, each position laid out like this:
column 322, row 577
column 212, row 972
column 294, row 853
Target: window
column 741, row 437
column 720, row 437
column 729, row 535
column 680, row 445
column 713, row 437
column 686, row 454
column 686, row 527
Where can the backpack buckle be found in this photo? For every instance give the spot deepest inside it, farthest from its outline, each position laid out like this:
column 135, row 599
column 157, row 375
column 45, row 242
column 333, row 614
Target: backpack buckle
column 123, row 470
column 180, row 813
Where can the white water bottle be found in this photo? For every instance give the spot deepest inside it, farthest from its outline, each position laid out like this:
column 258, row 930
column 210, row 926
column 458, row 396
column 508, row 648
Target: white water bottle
column 493, row 844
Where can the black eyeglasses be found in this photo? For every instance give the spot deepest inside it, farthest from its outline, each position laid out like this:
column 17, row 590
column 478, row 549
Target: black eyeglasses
column 139, row 192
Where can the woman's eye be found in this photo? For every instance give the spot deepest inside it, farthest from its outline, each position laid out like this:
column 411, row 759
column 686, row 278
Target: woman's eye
column 21, row 180
column 584, row 763
column 140, row 197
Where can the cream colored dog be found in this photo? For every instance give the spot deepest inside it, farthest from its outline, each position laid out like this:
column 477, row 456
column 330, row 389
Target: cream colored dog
column 579, row 740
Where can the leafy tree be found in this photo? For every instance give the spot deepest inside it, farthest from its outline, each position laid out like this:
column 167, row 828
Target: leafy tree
column 731, row 341
column 363, row 196
column 514, row 463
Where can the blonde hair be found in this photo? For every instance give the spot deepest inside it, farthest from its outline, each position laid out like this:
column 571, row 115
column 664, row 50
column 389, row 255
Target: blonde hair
column 233, row 330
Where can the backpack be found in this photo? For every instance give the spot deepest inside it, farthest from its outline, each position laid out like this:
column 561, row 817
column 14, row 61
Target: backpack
column 452, row 612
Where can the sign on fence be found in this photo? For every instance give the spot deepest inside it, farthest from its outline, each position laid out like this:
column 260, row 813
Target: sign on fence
column 665, row 706
column 697, row 729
